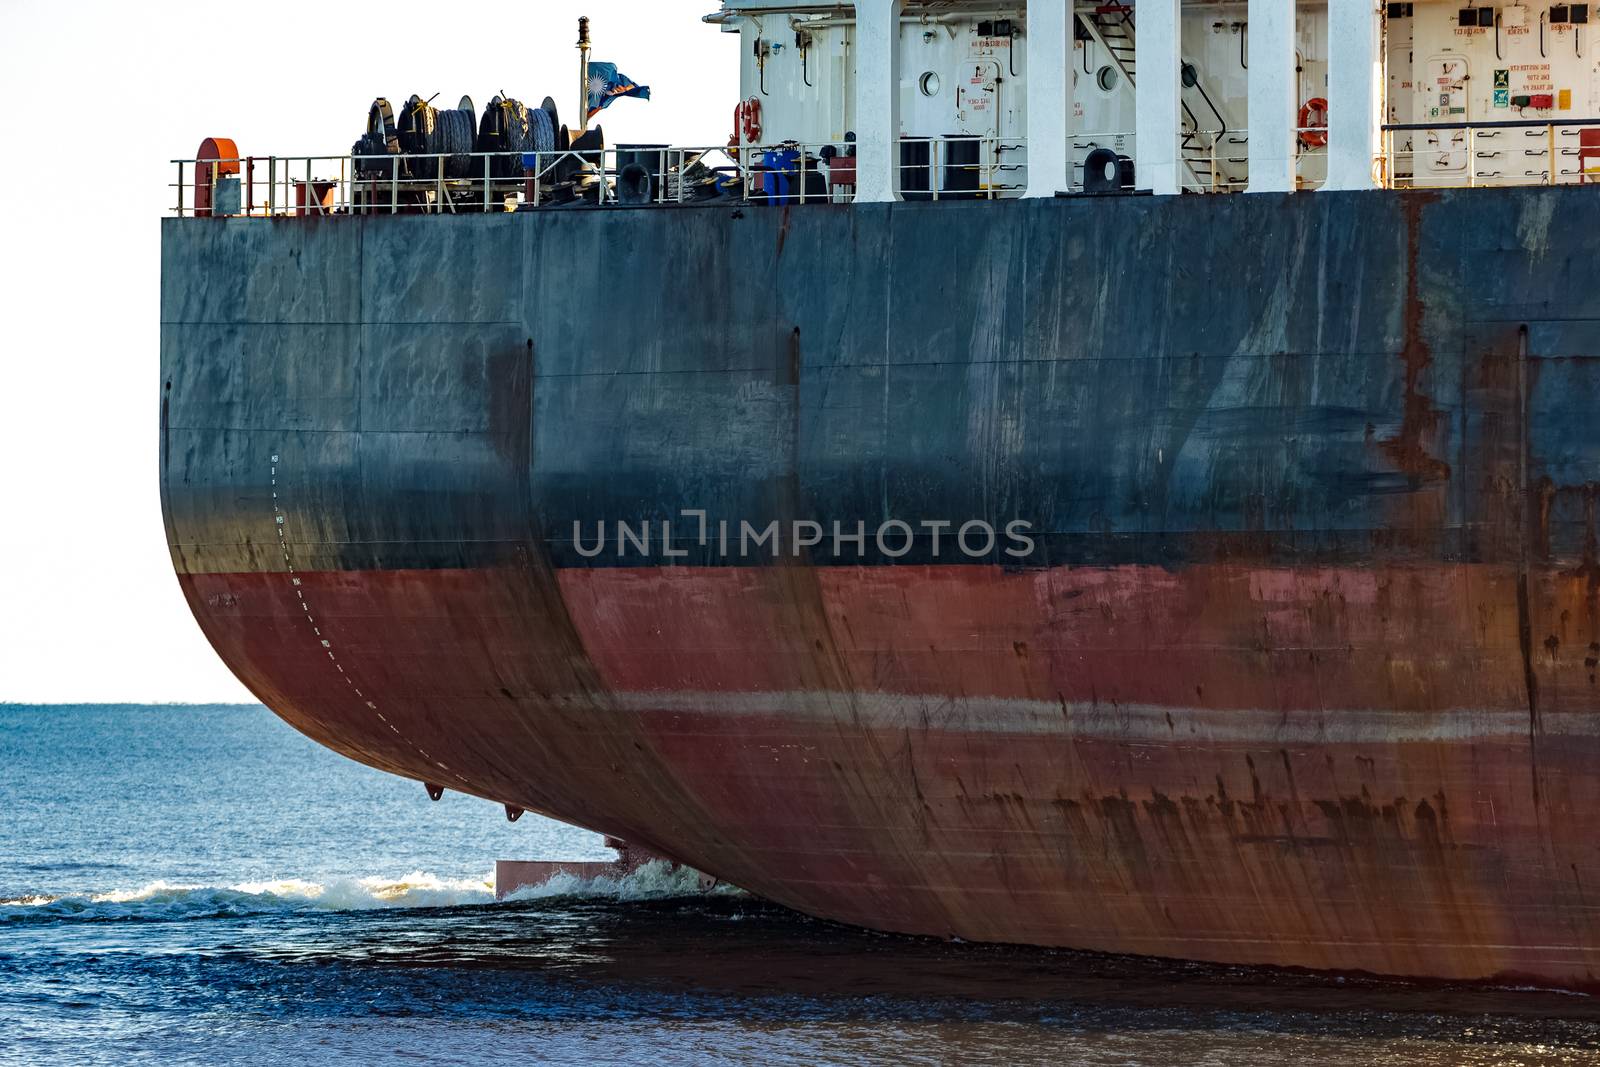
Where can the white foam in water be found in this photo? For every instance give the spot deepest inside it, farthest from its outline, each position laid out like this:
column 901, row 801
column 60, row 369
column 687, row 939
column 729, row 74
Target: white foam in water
column 419, row 889
column 656, row 880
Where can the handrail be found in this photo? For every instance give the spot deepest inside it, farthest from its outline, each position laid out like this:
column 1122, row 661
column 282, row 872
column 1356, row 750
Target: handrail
column 1496, row 124
column 492, row 181
column 1201, row 89
column 1466, row 154
column 1479, row 154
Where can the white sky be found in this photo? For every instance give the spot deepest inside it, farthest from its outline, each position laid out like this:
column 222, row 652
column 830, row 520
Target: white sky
column 99, row 96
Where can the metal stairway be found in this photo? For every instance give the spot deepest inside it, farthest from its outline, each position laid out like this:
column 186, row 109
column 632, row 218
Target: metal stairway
column 1111, row 27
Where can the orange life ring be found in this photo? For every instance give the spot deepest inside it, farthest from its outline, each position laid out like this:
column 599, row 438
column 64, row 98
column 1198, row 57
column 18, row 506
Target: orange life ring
column 1314, row 134
column 752, row 120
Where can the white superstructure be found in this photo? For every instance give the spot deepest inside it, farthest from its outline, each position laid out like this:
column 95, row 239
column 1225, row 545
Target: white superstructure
column 1263, row 95
column 997, row 99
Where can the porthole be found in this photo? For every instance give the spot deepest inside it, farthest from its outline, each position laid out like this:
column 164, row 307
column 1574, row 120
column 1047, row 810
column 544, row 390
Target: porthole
column 929, row 84
column 1107, row 77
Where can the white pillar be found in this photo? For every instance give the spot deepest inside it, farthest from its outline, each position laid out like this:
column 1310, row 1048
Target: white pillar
column 877, row 59
column 1049, row 78
column 1155, row 126
column 1354, row 69
column 1274, row 112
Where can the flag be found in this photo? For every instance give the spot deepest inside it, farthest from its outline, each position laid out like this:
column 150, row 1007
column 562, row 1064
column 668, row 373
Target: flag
column 605, row 85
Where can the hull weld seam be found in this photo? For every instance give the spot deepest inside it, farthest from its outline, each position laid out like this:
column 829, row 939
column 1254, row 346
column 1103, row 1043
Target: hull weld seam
column 296, row 581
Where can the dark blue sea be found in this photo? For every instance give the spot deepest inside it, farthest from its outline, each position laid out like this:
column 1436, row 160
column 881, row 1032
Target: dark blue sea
column 202, row 885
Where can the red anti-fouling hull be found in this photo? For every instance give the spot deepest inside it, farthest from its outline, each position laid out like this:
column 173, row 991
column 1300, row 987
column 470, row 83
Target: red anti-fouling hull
column 1230, row 764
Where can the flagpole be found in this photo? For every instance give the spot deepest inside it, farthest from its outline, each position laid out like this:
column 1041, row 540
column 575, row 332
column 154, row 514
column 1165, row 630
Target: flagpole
column 583, row 74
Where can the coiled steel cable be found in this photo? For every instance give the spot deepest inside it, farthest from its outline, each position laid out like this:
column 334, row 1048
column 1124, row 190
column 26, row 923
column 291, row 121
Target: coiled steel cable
column 544, row 130
column 453, row 136
column 507, row 128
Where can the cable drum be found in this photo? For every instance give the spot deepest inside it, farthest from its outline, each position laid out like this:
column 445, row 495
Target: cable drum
column 507, row 128
column 418, row 120
column 431, row 132
column 381, row 139
column 415, row 128
column 380, row 118
column 518, row 127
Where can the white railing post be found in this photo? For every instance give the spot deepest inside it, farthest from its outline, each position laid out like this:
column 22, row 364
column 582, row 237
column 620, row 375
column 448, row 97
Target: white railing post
column 1273, row 118
column 1157, row 161
column 877, row 60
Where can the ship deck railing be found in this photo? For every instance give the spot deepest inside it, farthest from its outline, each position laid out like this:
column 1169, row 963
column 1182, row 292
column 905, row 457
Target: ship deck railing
column 1492, row 154
column 1420, row 155
column 1210, row 161
column 789, row 172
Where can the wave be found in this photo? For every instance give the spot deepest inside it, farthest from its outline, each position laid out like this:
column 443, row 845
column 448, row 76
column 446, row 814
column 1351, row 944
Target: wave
column 164, row 901
column 656, row 880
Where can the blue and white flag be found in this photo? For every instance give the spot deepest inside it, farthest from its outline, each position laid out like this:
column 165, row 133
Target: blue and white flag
column 605, row 85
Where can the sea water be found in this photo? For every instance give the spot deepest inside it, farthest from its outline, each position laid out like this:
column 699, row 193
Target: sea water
column 202, row 885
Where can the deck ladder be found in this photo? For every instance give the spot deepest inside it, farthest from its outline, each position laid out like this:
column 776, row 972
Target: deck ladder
column 1110, row 26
